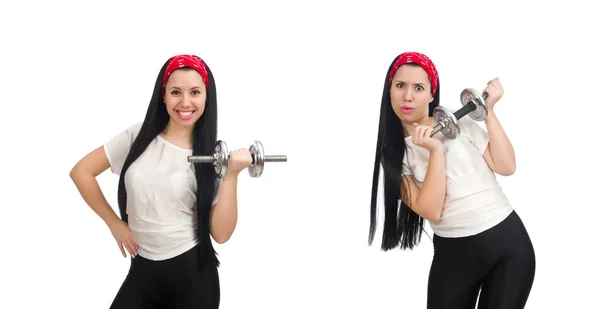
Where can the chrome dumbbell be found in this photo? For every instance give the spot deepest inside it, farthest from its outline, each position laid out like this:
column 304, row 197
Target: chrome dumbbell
column 220, row 158
column 447, row 122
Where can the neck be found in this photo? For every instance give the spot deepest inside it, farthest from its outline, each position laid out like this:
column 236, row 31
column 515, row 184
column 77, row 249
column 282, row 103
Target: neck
column 408, row 127
column 178, row 132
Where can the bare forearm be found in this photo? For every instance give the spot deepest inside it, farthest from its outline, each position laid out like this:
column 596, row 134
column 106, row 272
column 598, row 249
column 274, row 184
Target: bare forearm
column 433, row 193
column 92, row 194
column 501, row 148
column 224, row 214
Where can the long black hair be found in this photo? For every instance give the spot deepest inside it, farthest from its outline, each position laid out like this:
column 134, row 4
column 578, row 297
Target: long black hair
column 401, row 227
column 204, row 134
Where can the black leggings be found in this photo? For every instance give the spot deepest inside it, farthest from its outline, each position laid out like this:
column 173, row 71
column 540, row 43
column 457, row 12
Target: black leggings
column 173, row 283
column 499, row 262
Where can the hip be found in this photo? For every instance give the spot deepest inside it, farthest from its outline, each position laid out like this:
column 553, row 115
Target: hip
column 509, row 238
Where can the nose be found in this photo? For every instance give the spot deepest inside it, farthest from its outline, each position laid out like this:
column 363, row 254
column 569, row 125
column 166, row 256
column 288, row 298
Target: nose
column 186, row 101
column 408, row 95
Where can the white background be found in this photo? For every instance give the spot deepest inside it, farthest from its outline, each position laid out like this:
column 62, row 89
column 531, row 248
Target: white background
column 305, row 78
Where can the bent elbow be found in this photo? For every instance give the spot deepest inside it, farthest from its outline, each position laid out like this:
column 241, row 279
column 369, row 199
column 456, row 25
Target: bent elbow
column 430, row 212
column 221, row 236
column 434, row 216
column 74, row 172
column 512, row 170
column 221, row 240
column 509, row 171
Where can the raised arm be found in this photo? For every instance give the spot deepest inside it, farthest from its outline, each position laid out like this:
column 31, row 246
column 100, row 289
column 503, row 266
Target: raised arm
column 429, row 200
column 223, row 215
column 499, row 154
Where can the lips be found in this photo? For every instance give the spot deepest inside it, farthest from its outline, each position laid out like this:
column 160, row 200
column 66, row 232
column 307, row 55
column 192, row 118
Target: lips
column 406, row 109
column 185, row 115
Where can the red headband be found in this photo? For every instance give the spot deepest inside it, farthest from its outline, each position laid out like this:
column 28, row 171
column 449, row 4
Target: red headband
column 181, row 61
column 423, row 61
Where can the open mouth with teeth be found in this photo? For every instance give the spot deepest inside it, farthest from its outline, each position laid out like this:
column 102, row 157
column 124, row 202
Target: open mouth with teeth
column 185, row 115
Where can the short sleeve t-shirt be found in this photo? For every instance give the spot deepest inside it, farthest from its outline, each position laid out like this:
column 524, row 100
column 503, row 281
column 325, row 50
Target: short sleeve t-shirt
column 161, row 194
column 474, row 199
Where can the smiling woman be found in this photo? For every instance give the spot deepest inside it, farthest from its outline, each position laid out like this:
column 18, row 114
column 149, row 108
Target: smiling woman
column 184, row 90
column 169, row 208
column 185, row 94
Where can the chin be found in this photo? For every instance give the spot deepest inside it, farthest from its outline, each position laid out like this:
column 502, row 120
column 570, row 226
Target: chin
column 412, row 117
column 186, row 123
column 404, row 117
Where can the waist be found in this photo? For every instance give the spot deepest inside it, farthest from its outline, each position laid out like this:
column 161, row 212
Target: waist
column 159, row 241
column 473, row 214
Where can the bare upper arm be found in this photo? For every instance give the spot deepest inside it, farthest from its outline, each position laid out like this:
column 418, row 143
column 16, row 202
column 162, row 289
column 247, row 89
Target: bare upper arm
column 487, row 156
column 95, row 163
column 412, row 190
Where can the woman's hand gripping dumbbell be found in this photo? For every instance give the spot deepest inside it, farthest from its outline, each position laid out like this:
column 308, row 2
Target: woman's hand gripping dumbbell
column 220, row 159
column 446, row 121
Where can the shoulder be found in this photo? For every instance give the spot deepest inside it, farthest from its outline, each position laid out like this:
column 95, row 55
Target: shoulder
column 117, row 148
column 470, row 127
column 414, row 152
column 128, row 133
column 475, row 133
column 415, row 160
column 123, row 139
column 134, row 129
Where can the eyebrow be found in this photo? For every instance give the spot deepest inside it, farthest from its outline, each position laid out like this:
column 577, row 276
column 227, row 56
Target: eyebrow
column 420, row 84
column 175, row 87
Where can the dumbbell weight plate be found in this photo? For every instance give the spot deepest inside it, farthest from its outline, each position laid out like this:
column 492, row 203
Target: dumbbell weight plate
column 222, row 154
column 258, row 155
column 470, row 94
column 450, row 130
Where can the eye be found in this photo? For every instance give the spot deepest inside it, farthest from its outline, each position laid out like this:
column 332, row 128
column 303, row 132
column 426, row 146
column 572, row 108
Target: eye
column 175, row 92
column 196, row 92
column 420, row 88
column 400, row 85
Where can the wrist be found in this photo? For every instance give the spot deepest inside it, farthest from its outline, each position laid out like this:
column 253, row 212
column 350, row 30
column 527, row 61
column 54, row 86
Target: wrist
column 438, row 151
column 490, row 116
column 110, row 222
column 231, row 176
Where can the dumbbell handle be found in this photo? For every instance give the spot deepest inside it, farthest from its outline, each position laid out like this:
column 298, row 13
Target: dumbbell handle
column 463, row 111
column 213, row 159
column 469, row 107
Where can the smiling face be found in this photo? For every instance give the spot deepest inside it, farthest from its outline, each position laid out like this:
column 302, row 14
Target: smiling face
column 410, row 93
column 185, row 97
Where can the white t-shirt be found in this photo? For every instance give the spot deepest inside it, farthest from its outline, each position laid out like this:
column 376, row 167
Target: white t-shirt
column 161, row 195
column 475, row 201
